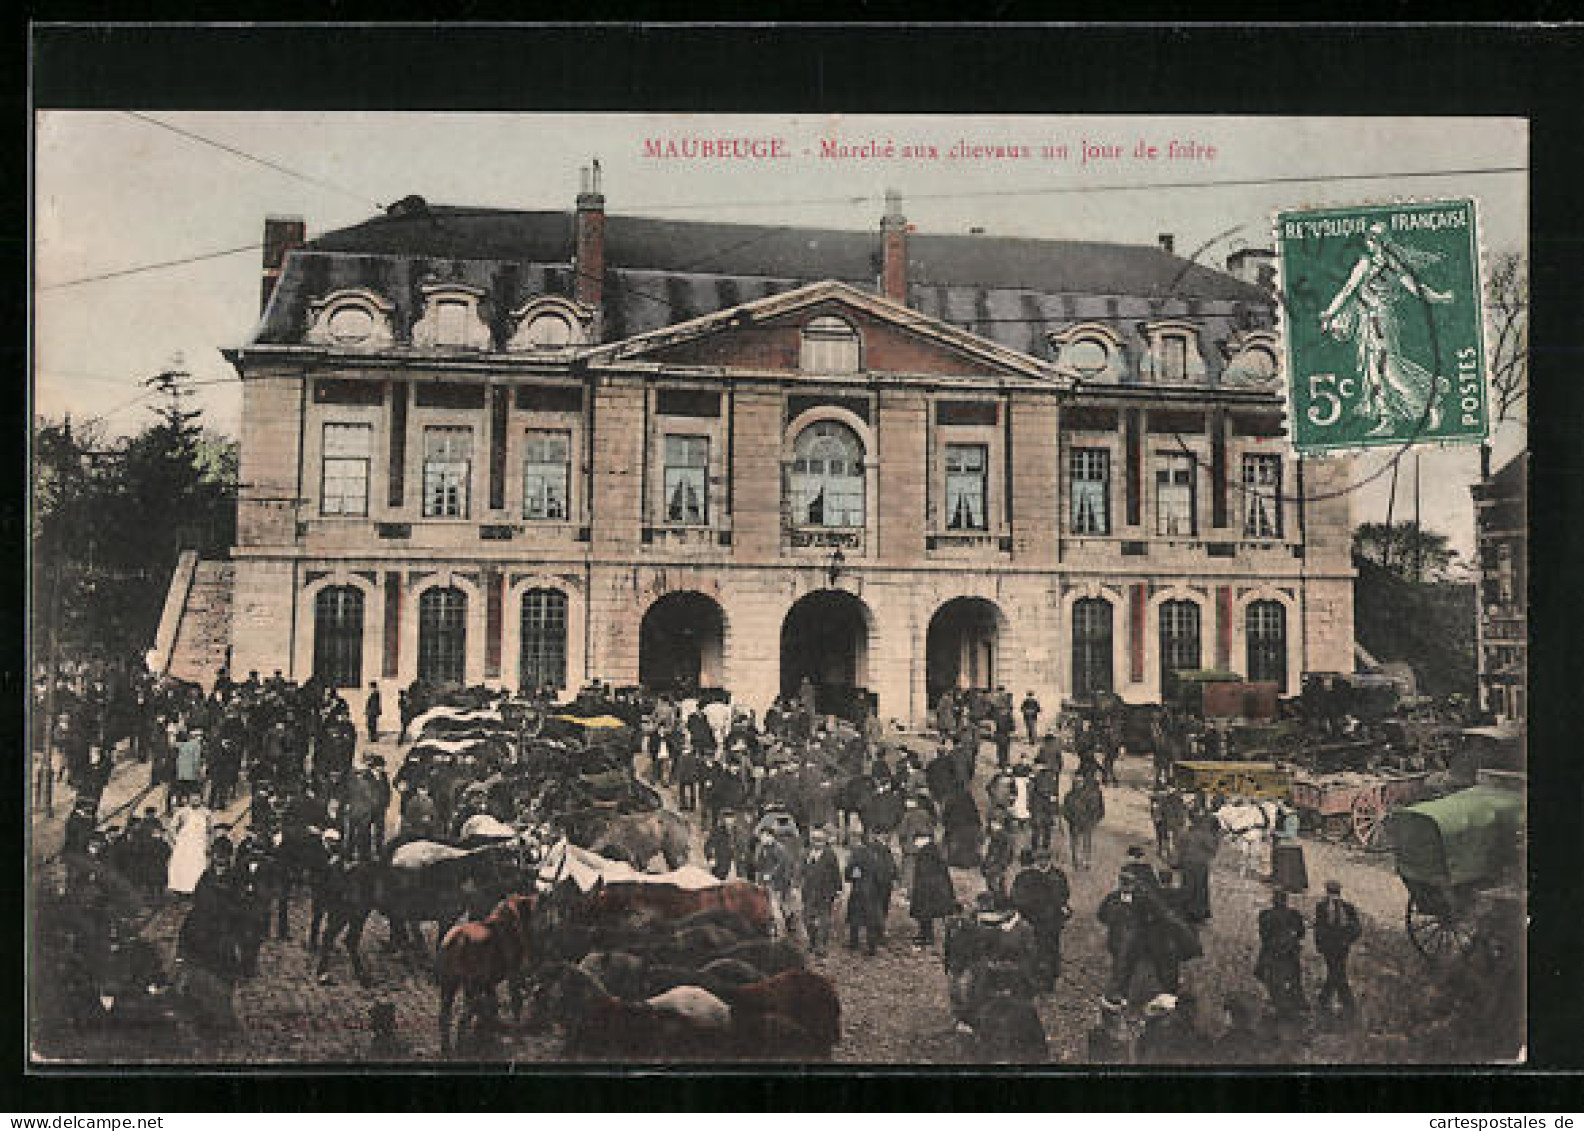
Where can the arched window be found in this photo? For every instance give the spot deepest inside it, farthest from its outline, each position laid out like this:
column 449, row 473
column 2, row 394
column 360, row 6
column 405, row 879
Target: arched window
column 1179, row 642
column 1265, row 626
column 829, row 346
column 544, row 640
column 338, row 636
column 827, row 476
column 1091, row 644
column 442, row 636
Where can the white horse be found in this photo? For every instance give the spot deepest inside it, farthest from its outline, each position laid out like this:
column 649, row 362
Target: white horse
column 1250, row 825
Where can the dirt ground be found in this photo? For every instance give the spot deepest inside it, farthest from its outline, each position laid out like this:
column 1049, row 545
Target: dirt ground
column 895, row 1008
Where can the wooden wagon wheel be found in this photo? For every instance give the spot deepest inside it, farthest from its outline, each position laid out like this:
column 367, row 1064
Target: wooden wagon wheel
column 1441, row 934
column 1368, row 817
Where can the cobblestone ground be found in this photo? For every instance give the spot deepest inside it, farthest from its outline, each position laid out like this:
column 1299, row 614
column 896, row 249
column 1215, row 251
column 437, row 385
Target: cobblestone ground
column 895, row 1006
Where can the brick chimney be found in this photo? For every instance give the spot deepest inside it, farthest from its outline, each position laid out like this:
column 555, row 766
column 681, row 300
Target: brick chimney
column 893, row 233
column 588, row 259
column 281, row 234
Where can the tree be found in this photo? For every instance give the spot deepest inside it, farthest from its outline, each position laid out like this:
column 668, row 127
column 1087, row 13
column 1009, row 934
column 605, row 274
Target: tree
column 1406, row 549
column 1507, row 300
column 111, row 519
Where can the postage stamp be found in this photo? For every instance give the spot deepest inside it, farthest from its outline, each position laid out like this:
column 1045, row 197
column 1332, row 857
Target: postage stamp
column 1382, row 316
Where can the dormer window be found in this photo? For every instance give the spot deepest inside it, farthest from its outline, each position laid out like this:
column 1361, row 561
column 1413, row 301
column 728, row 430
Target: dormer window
column 830, row 345
column 550, row 323
column 1089, row 351
column 353, row 319
column 1252, row 359
column 1173, row 356
column 450, row 318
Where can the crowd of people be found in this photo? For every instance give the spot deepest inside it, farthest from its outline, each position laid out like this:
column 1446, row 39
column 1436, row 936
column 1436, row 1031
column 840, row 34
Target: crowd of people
column 832, row 817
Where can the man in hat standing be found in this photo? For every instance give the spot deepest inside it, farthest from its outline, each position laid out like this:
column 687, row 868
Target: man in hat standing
column 1031, row 714
column 1336, row 929
column 1084, row 809
column 720, row 846
column 371, row 712
column 931, row 895
column 773, row 867
column 367, row 797
column 871, row 871
column 1040, row 893
column 1277, row 967
column 822, row 882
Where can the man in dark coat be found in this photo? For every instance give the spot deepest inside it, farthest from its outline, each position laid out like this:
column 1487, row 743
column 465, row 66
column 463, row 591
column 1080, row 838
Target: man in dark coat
column 1278, row 965
column 1336, row 929
column 1040, row 893
column 997, row 860
column 1044, row 791
column 932, row 896
column 367, row 797
column 1195, row 856
column 1031, row 714
column 961, row 818
column 1005, row 727
column 822, row 883
column 371, row 712
column 871, row 871
column 1084, row 809
column 208, row 942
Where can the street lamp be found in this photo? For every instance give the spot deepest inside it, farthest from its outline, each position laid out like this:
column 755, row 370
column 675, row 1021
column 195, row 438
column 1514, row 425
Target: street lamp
column 837, row 561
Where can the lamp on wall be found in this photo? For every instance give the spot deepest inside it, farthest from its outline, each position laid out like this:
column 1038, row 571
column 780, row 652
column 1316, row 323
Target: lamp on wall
column 837, row 561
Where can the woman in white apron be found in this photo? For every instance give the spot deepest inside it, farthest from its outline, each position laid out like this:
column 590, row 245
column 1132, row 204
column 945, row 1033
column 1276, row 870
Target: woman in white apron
column 190, row 831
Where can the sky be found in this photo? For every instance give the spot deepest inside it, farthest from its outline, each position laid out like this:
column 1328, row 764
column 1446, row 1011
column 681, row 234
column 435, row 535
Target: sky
column 116, row 191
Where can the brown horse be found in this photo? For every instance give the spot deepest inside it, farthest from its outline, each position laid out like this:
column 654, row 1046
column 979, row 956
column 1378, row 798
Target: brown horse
column 638, row 837
column 668, row 902
column 477, row 957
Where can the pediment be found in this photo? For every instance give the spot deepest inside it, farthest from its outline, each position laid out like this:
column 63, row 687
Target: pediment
column 806, row 332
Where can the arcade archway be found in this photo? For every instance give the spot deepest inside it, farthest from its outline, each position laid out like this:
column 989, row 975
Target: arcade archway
column 963, row 646
column 681, row 643
column 825, row 638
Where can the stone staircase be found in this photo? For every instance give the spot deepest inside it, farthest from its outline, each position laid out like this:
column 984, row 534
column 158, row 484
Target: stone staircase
column 194, row 635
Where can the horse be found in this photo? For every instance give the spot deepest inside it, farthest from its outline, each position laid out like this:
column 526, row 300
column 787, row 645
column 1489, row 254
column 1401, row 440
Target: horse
column 807, row 999
column 1250, row 824
column 476, row 957
column 681, row 1022
column 669, row 902
column 640, row 836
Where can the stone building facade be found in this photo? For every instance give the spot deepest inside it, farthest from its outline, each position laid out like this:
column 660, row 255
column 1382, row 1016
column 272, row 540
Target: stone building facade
column 540, row 448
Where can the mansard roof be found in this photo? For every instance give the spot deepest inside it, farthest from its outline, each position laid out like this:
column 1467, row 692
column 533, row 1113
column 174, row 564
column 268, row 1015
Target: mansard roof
column 1013, row 291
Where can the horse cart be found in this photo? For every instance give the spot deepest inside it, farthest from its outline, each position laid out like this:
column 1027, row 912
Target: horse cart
column 1255, row 781
column 1459, row 856
column 1355, row 805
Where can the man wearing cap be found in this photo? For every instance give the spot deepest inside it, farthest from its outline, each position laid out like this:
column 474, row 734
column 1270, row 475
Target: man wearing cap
column 1040, row 893
column 1083, row 808
column 773, row 868
column 1336, row 929
column 871, row 871
column 720, row 846
column 822, row 882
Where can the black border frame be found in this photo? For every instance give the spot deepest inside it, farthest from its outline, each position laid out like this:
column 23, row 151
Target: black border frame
column 1517, row 70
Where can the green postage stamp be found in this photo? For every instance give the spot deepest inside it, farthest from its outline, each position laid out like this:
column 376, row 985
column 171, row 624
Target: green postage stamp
column 1383, row 318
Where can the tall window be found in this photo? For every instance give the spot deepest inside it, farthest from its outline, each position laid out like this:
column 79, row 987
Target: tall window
column 1179, row 642
column 829, row 346
column 1091, row 490
column 687, row 480
column 1091, row 642
column 338, row 636
column 1262, row 478
column 448, row 469
column 827, row 476
column 1174, row 494
column 1265, row 627
column 546, row 470
column 544, row 639
column 442, row 636
column 966, row 487
column 344, row 482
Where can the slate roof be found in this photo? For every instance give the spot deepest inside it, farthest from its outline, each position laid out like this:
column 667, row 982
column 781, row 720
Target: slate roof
column 660, row 272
